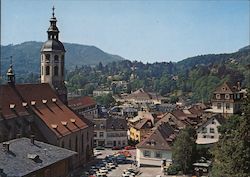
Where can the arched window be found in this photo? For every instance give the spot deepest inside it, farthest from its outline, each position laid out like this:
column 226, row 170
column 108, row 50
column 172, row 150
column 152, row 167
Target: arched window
column 47, row 58
column 56, row 58
column 47, row 70
column 56, row 70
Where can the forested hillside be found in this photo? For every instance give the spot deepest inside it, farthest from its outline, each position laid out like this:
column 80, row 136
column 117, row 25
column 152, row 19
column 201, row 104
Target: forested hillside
column 89, row 68
column 194, row 78
column 26, row 56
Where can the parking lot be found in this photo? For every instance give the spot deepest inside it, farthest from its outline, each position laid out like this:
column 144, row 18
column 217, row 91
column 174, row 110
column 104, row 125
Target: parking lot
column 118, row 171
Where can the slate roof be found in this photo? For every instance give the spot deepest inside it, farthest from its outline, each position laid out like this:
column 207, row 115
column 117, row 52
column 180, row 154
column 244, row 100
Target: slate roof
column 228, row 88
column 116, row 124
column 143, row 124
column 46, row 105
column 160, row 138
column 218, row 117
column 81, row 102
column 16, row 162
column 141, row 94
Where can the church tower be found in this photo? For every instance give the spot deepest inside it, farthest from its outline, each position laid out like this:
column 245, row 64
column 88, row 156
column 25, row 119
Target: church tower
column 52, row 61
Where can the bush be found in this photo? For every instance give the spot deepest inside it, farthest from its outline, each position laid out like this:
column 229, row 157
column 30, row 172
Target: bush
column 173, row 169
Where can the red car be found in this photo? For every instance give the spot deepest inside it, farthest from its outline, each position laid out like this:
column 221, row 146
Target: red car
column 116, row 148
column 129, row 147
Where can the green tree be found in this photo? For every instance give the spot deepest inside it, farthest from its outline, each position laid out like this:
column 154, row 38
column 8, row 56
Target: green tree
column 184, row 149
column 232, row 152
column 105, row 100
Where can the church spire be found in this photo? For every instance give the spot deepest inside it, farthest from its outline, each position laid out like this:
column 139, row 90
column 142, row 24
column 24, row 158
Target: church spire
column 53, row 30
column 11, row 74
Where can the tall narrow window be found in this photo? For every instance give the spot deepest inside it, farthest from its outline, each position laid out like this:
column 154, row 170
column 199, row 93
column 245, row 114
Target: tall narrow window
column 69, row 143
column 82, row 142
column 62, row 69
column 42, row 70
column 56, row 59
column 47, row 58
column 47, row 70
column 76, row 144
column 56, row 70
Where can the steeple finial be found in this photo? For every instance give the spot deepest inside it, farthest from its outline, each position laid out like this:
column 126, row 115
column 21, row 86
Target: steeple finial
column 53, row 11
column 10, row 73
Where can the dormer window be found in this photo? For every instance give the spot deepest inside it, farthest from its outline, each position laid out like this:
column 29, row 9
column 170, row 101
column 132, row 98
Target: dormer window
column 53, row 100
column 64, row 123
column 54, row 126
column 44, row 101
column 24, row 104
column 12, row 106
column 33, row 103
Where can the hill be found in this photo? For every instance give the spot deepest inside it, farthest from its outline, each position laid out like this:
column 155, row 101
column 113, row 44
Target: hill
column 26, row 56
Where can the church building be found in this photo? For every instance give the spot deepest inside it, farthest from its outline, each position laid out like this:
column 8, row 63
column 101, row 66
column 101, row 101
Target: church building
column 41, row 109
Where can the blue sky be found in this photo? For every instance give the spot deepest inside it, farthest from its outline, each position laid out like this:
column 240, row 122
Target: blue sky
column 148, row 31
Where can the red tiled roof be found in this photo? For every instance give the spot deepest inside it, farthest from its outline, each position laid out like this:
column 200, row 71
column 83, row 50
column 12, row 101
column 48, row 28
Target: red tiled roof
column 53, row 114
column 161, row 138
column 81, row 102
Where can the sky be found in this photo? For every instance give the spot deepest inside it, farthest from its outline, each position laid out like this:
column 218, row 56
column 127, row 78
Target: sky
column 147, row 31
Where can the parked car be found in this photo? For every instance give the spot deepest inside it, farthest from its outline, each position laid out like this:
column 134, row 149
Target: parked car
column 100, row 148
column 116, row 148
column 129, row 147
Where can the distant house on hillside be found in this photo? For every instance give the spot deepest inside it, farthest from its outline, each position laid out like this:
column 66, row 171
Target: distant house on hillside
column 25, row 157
column 208, row 132
column 156, row 148
column 142, row 97
column 227, row 99
column 101, row 92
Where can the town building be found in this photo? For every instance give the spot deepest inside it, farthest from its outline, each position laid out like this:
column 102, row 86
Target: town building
column 156, row 148
column 227, row 99
column 100, row 92
column 85, row 106
column 140, row 125
column 110, row 132
column 25, row 157
column 208, row 132
column 142, row 97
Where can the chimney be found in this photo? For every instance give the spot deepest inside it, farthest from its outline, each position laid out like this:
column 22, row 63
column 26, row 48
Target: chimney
column 32, row 139
column 238, row 85
column 6, row 146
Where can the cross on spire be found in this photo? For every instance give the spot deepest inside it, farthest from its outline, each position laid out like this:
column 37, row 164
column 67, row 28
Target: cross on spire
column 53, row 11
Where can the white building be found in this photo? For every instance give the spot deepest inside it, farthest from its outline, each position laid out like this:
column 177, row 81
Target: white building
column 157, row 147
column 227, row 99
column 208, row 132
